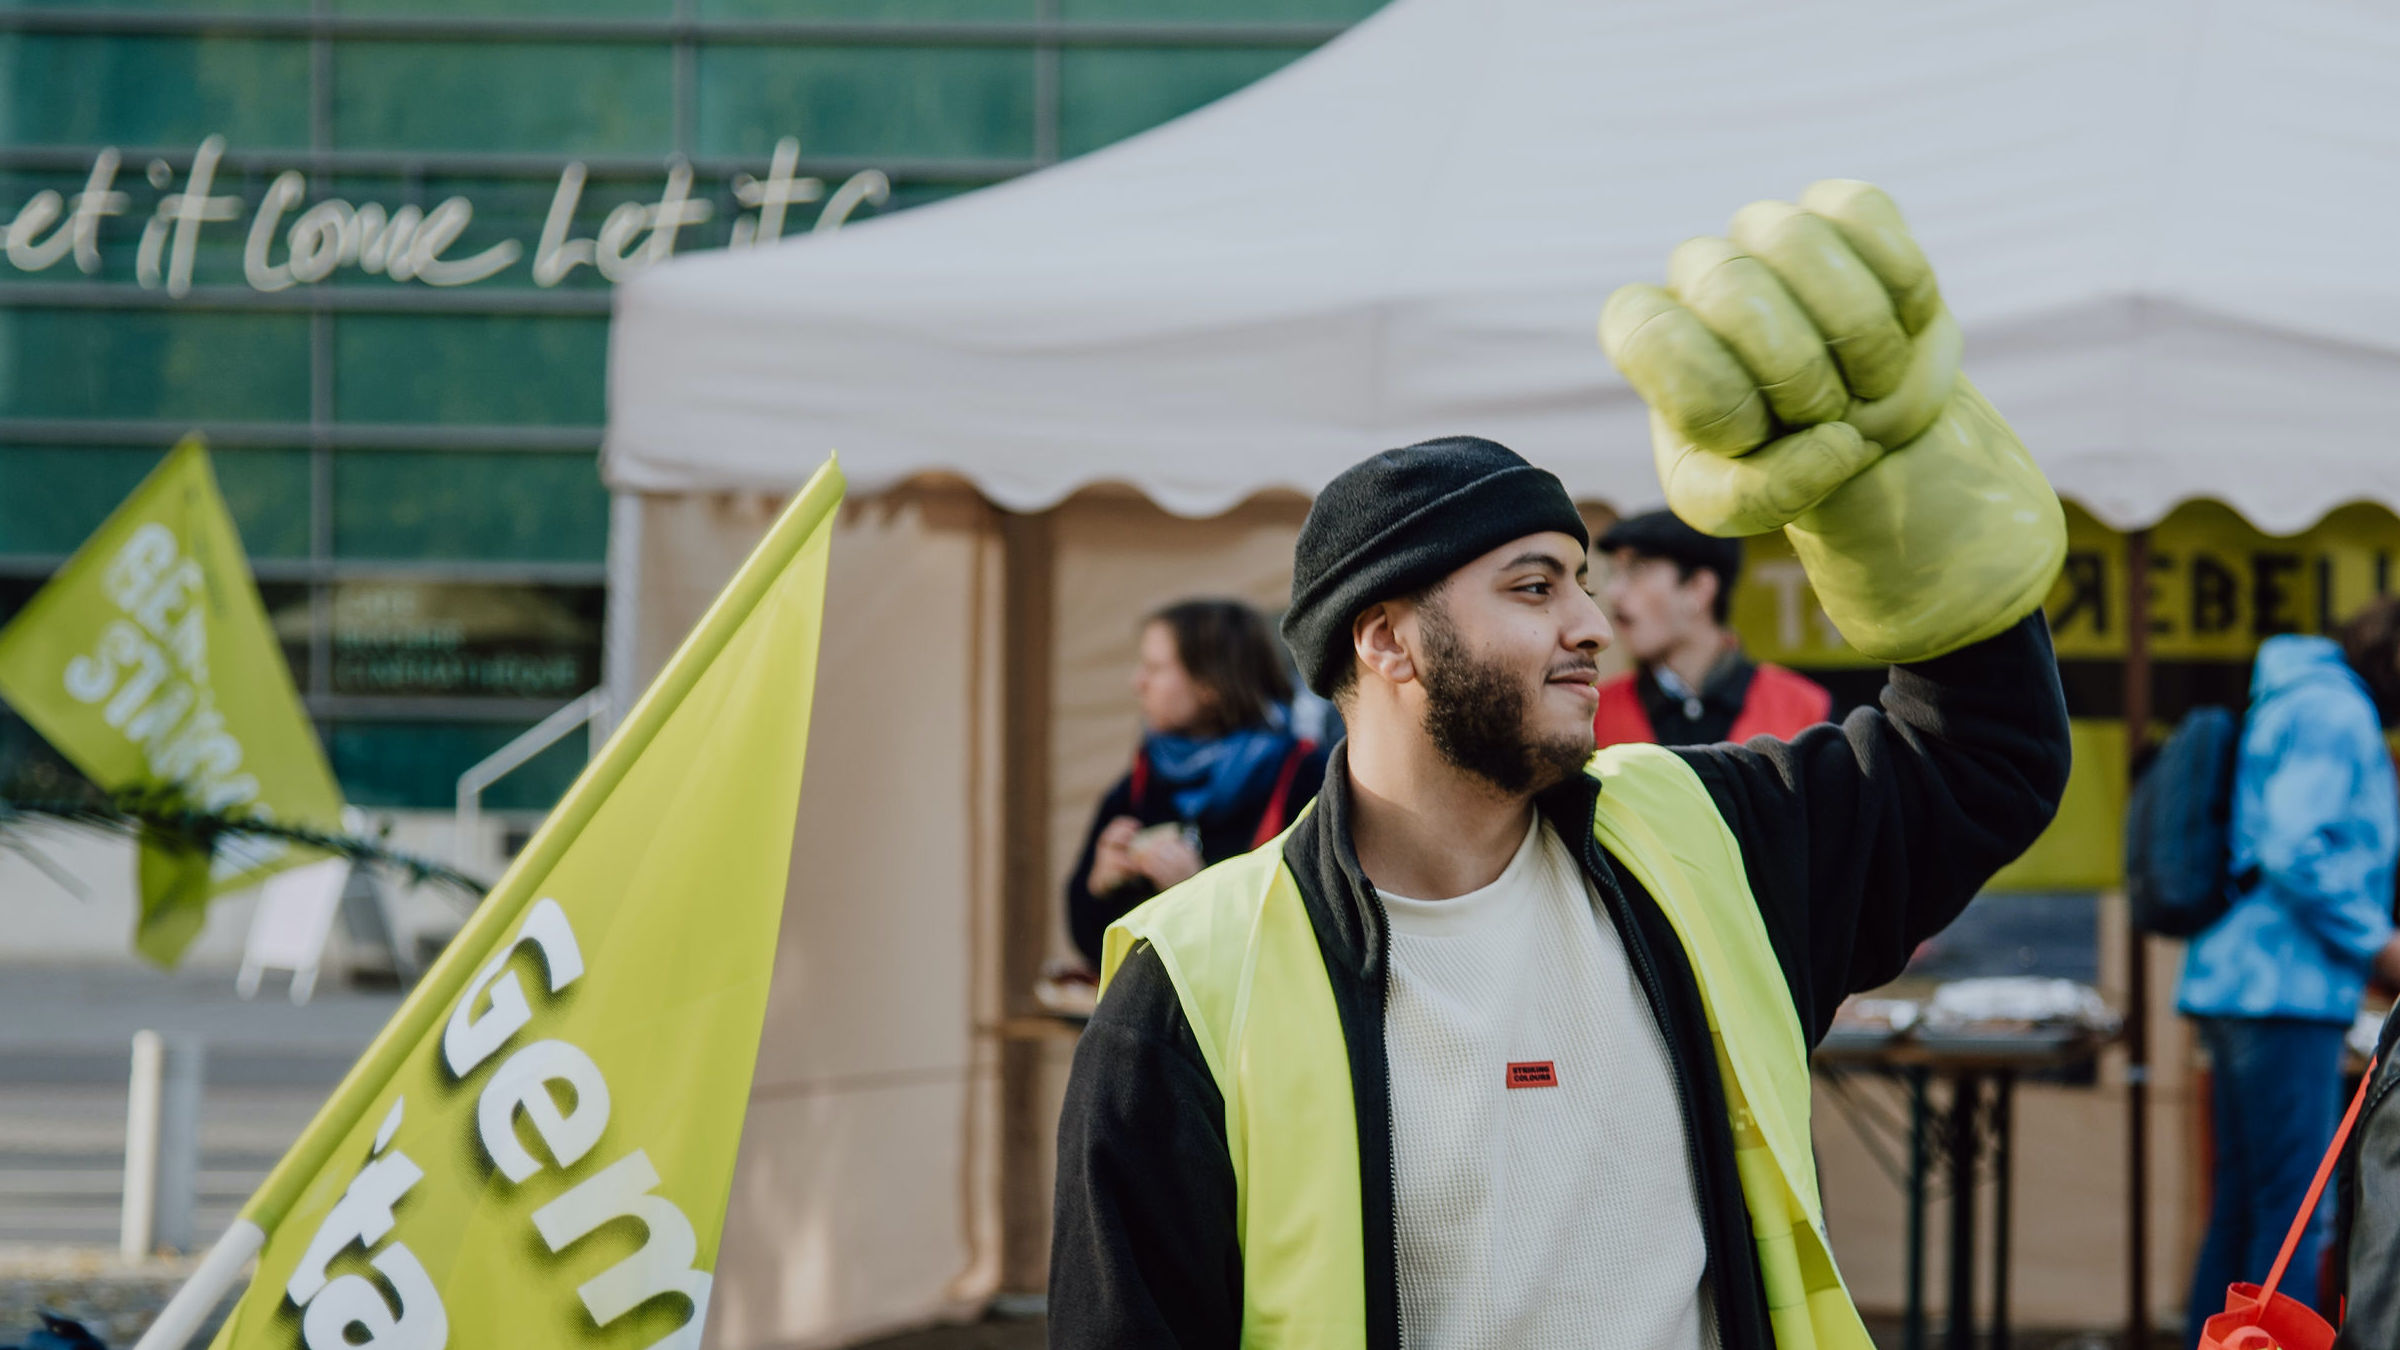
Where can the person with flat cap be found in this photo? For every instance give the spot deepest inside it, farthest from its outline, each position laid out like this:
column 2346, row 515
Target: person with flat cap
column 1503, row 1045
column 1668, row 596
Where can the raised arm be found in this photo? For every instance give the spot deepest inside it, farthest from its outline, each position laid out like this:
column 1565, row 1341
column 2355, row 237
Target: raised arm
column 1803, row 374
column 1864, row 839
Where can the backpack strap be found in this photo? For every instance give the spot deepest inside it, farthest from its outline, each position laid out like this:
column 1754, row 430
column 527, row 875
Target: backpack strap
column 1276, row 816
column 1140, row 777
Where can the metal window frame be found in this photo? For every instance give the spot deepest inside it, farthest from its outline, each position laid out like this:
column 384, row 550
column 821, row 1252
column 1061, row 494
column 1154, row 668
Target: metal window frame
column 327, row 571
column 263, row 160
column 684, row 31
column 683, row 25
column 320, row 298
column 531, row 438
column 387, row 708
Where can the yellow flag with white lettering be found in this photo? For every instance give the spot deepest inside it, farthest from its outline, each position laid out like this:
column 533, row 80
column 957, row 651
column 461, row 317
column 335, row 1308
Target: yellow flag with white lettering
column 148, row 662
column 538, row 1149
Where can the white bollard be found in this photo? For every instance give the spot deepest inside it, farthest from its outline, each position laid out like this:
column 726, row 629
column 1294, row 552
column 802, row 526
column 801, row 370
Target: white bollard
column 178, row 1185
column 138, row 1225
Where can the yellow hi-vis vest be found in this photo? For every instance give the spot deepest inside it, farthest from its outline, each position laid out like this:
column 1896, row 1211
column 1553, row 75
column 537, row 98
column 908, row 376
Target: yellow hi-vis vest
column 1237, row 943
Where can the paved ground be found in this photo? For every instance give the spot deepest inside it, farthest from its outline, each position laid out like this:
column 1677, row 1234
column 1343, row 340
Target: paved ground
column 119, row 1307
column 64, row 1038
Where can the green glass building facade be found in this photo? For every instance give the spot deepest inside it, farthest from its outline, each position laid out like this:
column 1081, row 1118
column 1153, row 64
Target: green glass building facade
column 365, row 247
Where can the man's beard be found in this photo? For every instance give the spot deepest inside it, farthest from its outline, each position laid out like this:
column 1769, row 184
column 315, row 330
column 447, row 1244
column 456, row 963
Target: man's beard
column 1476, row 713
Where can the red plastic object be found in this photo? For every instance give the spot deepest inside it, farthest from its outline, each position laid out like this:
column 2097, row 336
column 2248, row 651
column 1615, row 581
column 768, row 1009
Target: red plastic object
column 2281, row 1324
column 2261, row 1319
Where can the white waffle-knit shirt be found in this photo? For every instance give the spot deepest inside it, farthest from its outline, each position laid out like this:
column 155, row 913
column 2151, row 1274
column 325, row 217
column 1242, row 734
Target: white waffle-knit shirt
column 1561, row 1213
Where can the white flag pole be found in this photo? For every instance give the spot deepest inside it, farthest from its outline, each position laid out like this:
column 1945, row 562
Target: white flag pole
column 217, row 1274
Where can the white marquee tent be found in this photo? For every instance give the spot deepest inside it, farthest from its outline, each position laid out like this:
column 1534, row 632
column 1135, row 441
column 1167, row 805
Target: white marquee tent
column 1065, row 399
column 2166, row 227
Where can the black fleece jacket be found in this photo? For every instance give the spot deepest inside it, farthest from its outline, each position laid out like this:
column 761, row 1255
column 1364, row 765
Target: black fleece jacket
column 1860, row 841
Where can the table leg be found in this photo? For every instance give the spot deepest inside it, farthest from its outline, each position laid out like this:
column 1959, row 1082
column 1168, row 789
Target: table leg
column 1963, row 1098
column 1919, row 1123
column 2003, row 1087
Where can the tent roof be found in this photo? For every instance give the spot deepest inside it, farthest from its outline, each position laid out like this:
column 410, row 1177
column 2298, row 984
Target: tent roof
column 2164, row 226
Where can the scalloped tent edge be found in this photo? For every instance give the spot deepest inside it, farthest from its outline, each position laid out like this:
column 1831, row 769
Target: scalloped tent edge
column 2161, row 225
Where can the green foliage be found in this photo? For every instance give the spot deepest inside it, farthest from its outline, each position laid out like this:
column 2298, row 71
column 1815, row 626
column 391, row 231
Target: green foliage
column 162, row 819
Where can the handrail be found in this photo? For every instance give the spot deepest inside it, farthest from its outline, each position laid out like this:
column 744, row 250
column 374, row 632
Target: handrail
column 590, row 707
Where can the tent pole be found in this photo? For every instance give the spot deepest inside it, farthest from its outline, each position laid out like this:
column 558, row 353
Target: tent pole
column 1028, row 893
column 2137, row 966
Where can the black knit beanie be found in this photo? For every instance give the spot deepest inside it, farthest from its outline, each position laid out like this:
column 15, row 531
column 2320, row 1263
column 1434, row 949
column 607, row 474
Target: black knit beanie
column 1399, row 521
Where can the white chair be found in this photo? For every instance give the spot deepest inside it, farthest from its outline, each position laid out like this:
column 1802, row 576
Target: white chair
column 288, row 929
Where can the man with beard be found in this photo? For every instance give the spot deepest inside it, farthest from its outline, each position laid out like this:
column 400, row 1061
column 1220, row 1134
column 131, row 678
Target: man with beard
column 1504, row 1044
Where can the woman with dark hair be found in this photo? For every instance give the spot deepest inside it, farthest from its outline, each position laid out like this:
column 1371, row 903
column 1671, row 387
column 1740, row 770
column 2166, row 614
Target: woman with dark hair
column 1219, row 770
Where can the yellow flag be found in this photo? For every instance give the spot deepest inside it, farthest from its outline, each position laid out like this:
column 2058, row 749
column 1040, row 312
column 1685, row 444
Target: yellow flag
column 148, row 662
column 537, row 1150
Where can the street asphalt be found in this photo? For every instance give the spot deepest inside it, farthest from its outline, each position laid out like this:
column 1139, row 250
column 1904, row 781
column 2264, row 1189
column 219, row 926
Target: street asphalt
column 65, row 1047
column 65, row 1038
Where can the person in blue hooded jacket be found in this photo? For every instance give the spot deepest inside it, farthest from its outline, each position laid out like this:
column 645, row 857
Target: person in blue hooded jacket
column 2276, row 982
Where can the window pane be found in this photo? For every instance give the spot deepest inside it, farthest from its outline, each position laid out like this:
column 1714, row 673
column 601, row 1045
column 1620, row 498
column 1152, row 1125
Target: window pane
column 289, row 615
column 53, row 497
column 470, row 368
column 901, row 102
column 152, row 91
column 537, row 98
column 149, row 363
column 459, row 504
column 401, row 638
column 1107, row 94
column 894, row 11
column 267, row 491
column 15, row 590
column 417, row 764
column 1202, row 11
column 30, row 770
column 593, row 9
column 189, row 6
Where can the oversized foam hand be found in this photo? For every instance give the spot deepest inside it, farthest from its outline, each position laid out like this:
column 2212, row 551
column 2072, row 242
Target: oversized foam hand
column 1802, row 375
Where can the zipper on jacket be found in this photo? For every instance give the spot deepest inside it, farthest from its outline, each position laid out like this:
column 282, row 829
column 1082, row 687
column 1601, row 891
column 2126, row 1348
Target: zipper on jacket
column 1596, row 861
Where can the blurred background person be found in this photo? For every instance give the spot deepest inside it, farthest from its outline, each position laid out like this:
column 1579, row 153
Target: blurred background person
column 1219, row 770
column 1669, row 595
column 2276, row 982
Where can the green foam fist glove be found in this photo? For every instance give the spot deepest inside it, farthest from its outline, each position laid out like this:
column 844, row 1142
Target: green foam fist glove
column 1802, row 375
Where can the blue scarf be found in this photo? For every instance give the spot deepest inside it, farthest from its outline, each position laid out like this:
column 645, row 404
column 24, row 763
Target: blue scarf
column 1216, row 780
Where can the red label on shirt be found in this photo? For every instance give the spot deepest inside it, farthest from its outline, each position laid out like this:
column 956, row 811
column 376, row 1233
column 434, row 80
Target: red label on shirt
column 1533, row 1073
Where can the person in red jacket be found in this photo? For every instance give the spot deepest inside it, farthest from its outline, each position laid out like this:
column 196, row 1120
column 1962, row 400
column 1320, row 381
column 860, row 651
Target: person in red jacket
column 1669, row 592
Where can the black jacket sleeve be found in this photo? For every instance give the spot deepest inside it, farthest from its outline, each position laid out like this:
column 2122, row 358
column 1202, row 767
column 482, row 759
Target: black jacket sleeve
column 1144, row 1254
column 1089, row 915
column 1864, row 839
